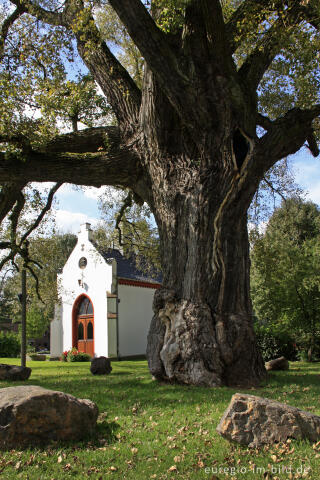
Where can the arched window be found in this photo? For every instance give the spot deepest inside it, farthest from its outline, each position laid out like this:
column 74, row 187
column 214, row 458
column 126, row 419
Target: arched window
column 90, row 309
column 85, row 307
column 80, row 331
column 90, row 331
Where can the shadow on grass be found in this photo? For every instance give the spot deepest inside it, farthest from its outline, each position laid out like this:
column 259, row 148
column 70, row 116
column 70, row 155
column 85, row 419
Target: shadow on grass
column 130, row 383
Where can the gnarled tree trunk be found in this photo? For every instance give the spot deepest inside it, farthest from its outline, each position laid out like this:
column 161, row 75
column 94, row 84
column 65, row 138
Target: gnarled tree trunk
column 202, row 330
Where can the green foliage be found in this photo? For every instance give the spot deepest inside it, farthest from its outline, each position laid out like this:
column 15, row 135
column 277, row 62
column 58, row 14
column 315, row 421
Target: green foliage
column 51, row 253
column 285, row 276
column 33, row 57
column 170, row 14
column 10, row 345
column 273, row 345
column 37, row 321
column 74, row 101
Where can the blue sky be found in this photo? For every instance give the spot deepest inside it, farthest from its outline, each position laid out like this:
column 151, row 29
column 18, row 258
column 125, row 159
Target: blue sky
column 75, row 207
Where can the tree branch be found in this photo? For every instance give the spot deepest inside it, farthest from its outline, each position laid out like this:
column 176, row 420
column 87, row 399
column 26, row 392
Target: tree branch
column 93, row 139
column 159, row 56
column 312, row 144
column 126, row 204
column 36, row 279
column 45, row 209
column 107, row 163
column 53, row 18
column 264, row 121
column 274, row 190
column 14, row 218
column 216, row 29
column 120, row 89
column 286, row 136
column 9, row 194
column 6, row 26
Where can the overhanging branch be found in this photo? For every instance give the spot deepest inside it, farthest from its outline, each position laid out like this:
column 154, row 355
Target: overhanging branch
column 89, row 157
column 8, row 22
column 286, row 136
column 47, row 16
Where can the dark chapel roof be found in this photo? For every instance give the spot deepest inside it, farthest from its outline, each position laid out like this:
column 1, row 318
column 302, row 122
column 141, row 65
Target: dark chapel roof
column 126, row 267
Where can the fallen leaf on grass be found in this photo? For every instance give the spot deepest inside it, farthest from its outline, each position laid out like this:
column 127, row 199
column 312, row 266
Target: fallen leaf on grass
column 172, row 469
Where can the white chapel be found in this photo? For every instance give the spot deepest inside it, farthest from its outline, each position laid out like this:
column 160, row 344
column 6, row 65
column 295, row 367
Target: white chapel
column 105, row 305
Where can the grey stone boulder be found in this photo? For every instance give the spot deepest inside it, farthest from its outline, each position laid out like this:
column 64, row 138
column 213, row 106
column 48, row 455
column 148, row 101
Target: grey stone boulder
column 32, row 415
column 255, row 421
column 100, row 366
column 14, row 372
column 280, row 363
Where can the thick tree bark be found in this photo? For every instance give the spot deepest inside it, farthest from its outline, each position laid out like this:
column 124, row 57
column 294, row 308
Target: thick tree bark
column 202, row 330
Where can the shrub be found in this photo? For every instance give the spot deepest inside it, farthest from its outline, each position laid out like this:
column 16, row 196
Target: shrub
column 74, row 355
column 274, row 345
column 10, row 345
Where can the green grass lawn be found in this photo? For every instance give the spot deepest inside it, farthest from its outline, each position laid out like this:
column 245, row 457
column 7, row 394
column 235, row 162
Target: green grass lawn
column 152, row 431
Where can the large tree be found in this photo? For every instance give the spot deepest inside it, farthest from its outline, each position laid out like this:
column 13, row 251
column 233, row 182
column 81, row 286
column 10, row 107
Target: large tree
column 187, row 143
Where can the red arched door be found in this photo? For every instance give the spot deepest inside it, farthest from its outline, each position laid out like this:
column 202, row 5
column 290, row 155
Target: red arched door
column 85, row 326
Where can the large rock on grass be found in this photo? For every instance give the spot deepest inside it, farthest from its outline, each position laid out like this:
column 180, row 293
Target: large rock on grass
column 255, row 421
column 280, row 363
column 32, row 415
column 100, row 366
column 14, row 372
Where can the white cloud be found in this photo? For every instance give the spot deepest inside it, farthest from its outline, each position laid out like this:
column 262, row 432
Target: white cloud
column 93, row 192
column 69, row 222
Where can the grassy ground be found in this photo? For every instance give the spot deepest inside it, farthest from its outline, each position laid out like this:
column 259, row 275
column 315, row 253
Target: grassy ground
column 152, row 431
